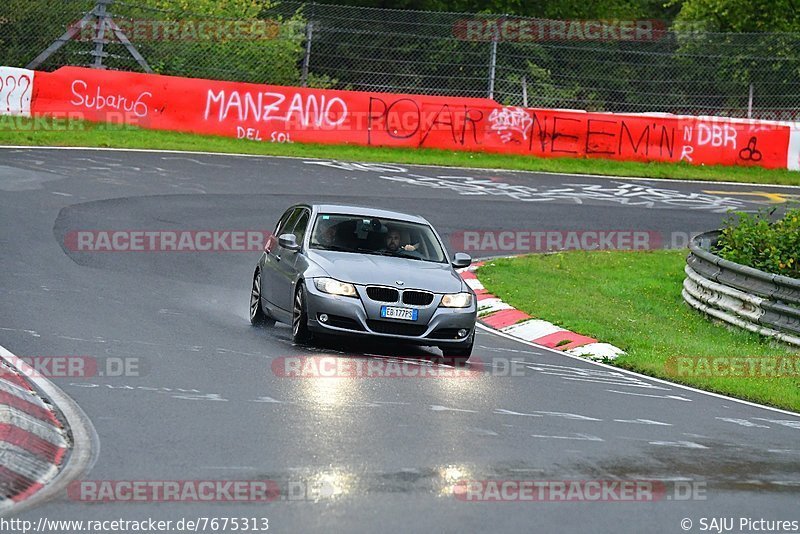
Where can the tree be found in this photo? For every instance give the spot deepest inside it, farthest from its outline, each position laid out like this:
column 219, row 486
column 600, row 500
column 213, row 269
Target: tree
column 739, row 16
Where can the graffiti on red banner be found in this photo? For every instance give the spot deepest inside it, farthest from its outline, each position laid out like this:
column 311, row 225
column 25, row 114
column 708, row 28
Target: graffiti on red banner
column 289, row 114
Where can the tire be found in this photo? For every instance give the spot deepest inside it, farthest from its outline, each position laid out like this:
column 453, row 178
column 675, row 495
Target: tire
column 458, row 356
column 257, row 315
column 300, row 331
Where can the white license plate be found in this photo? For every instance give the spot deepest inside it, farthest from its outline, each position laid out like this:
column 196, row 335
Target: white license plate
column 406, row 314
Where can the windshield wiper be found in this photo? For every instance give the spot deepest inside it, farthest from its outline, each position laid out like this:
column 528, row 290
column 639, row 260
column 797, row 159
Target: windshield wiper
column 402, row 254
column 399, row 253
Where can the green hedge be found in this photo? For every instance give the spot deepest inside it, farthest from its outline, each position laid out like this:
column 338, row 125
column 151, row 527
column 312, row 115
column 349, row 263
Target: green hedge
column 756, row 241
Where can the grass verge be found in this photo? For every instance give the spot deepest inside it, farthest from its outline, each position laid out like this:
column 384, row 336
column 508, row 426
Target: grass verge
column 633, row 300
column 78, row 133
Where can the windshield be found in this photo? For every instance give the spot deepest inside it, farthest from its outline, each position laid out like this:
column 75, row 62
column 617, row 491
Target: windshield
column 371, row 235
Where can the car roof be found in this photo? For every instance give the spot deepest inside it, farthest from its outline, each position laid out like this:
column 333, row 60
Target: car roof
column 367, row 212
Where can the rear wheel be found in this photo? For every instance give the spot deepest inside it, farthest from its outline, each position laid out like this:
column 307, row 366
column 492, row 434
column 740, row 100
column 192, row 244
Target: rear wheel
column 300, row 331
column 257, row 315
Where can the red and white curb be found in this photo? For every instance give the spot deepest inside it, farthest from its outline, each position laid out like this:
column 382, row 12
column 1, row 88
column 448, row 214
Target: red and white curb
column 495, row 313
column 33, row 441
column 46, row 441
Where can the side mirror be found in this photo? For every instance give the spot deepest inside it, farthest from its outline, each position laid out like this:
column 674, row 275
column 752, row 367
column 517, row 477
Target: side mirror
column 288, row 241
column 461, row 260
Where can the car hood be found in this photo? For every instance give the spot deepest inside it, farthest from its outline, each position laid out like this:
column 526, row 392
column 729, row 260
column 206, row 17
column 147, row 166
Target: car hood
column 369, row 269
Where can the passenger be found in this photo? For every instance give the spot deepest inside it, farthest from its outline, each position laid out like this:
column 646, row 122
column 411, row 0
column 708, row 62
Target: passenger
column 326, row 235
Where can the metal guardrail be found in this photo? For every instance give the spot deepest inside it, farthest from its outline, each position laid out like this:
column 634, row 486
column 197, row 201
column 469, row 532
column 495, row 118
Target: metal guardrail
column 768, row 304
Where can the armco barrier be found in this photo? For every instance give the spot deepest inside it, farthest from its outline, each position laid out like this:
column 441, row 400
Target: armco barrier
column 760, row 302
column 288, row 114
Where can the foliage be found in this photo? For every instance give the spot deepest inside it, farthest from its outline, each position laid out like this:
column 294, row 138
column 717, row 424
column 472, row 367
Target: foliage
column 738, row 16
column 274, row 56
column 755, row 241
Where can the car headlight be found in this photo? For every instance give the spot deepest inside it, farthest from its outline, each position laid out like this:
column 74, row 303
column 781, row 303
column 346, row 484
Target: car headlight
column 457, row 300
column 335, row 287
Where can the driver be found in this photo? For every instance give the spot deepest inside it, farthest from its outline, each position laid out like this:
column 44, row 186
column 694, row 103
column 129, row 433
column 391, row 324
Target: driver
column 393, row 243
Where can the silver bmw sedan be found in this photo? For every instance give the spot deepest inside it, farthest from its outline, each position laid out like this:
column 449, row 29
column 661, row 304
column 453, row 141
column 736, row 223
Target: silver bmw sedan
column 354, row 271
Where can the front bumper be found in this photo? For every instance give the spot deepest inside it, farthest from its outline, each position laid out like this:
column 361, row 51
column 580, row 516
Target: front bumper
column 351, row 316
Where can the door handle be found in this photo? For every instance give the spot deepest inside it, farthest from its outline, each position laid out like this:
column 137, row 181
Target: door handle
column 277, row 258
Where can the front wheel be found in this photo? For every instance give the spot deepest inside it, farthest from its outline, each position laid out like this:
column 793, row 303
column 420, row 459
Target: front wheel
column 257, row 315
column 458, row 355
column 300, row 331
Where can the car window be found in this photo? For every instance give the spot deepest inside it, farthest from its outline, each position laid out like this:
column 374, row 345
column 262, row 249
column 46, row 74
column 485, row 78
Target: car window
column 369, row 235
column 290, row 222
column 299, row 230
column 272, row 241
column 282, row 221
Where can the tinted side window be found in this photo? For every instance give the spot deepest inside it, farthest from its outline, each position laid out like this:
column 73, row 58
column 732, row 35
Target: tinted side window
column 287, row 228
column 301, row 226
column 272, row 242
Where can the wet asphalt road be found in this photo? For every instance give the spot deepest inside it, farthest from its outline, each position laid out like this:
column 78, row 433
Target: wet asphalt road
column 207, row 404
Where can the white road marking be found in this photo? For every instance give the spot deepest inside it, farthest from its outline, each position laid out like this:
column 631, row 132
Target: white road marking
column 591, row 375
column 682, row 444
column 229, row 468
column 577, row 437
column 785, row 422
column 437, row 408
column 318, row 161
column 270, row 400
column 202, row 396
column 638, row 375
column 196, row 161
column 642, row 422
column 628, row 384
column 482, row 431
column 741, row 422
column 673, row 397
column 537, row 413
column 33, row 333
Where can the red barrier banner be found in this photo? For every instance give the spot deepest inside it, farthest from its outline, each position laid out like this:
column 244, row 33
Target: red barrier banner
column 265, row 113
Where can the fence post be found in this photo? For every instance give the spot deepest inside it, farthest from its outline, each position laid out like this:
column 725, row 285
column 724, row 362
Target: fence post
column 492, row 67
column 750, row 102
column 524, row 91
column 100, row 16
column 307, row 56
column 99, row 38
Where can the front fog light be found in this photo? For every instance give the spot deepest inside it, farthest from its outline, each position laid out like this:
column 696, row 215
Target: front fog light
column 323, row 317
column 457, row 300
column 462, row 333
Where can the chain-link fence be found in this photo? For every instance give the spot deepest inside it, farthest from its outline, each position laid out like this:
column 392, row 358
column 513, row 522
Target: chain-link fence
column 621, row 66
